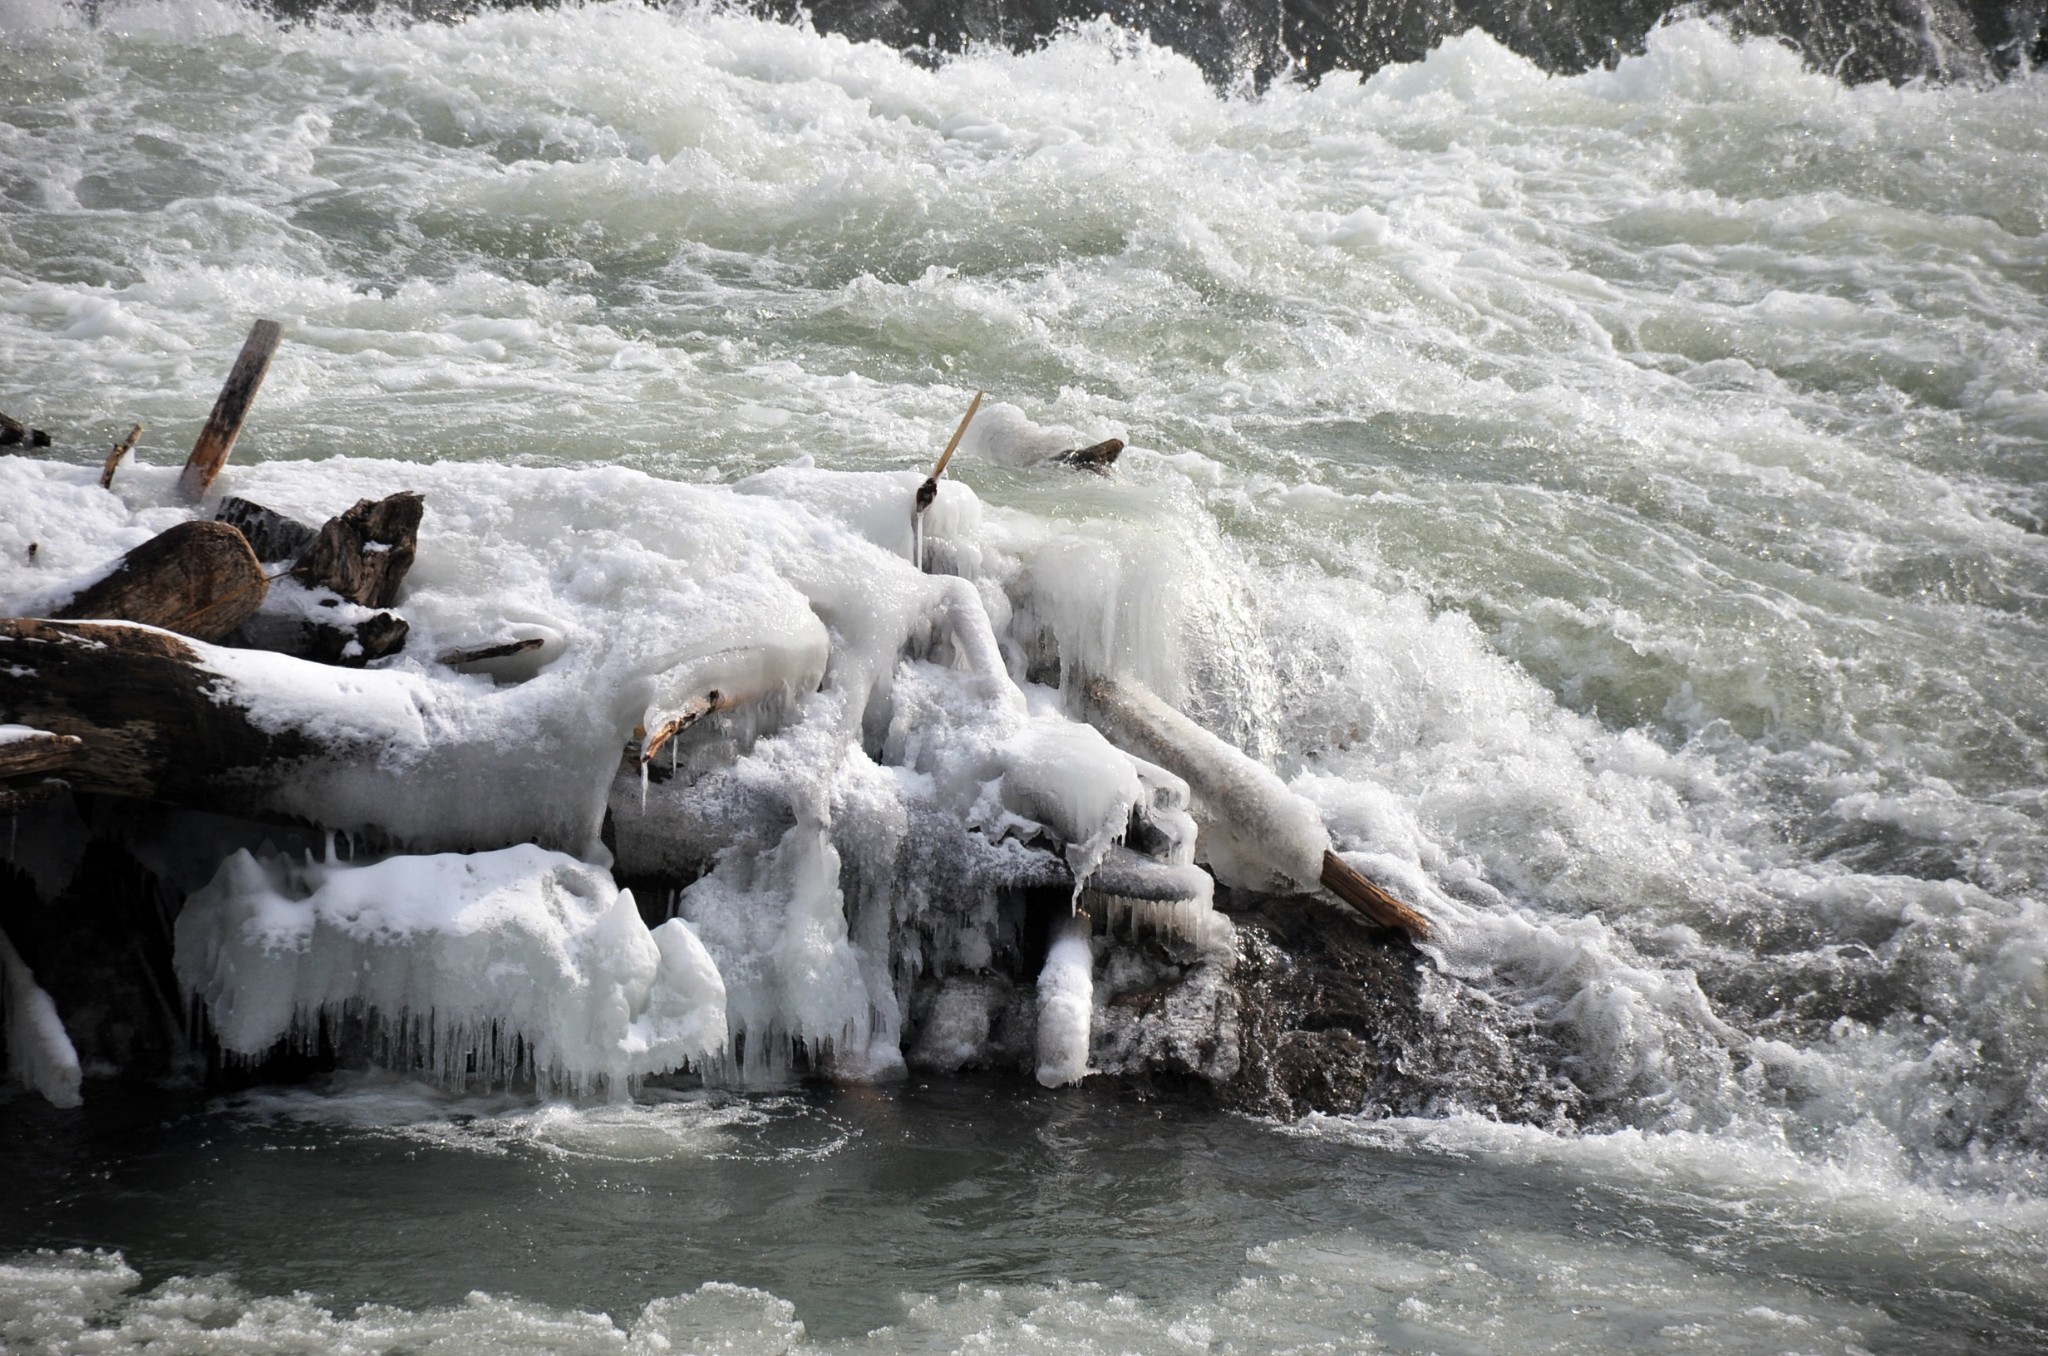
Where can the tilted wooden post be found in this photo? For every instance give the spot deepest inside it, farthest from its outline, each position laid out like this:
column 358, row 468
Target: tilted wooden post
column 217, row 439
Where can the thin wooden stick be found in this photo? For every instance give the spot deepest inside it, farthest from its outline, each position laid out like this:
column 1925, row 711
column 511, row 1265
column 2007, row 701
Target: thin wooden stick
column 224, row 425
column 504, row 649
column 958, row 434
column 693, row 711
column 1343, row 880
column 121, row 449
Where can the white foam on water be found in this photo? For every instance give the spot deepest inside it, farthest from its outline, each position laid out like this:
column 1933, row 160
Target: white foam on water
column 1612, row 501
column 1504, row 1290
column 658, row 1125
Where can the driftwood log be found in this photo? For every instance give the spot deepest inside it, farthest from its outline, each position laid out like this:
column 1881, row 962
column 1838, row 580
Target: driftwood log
column 463, row 658
column 230, row 408
column 198, row 579
column 42, row 751
column 145, row 711
column 1135, row 719
column 272, row 536
column 359, row 557
column 279, row 740
column 363, row 554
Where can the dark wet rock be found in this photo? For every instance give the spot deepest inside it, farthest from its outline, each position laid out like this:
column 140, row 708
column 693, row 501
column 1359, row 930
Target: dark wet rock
column 1337, row 1015
column 102, row 950
column 1235, row 41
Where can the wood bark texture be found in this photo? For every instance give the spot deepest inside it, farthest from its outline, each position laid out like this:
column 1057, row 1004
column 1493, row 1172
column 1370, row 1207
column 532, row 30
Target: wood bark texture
column 42, row 751
column 272, row 536
column 364, row 553
column 150, row 715
column 230, row 408
column 1343, row 880
column 198, row 579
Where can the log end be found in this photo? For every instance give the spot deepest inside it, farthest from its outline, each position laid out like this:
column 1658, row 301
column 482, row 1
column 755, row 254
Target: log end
column 199, row 579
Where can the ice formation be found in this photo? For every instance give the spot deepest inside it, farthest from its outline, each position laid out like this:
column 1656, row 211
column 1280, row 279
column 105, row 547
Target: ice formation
column 1065, row 991
column 480, row 965
column 873, row 818
column 39, row 1052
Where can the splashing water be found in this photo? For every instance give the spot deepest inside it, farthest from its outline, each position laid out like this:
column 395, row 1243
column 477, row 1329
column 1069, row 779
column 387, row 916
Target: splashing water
column 1615, row 502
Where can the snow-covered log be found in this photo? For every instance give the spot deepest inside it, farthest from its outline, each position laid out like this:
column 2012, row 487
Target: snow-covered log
column 1256, row 834
column 383, row 754
column 26, row 751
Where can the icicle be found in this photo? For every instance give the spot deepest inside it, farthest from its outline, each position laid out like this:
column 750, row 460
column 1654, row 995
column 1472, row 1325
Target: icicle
column 1066, row 992
column 643, row 788
column 38, row 1048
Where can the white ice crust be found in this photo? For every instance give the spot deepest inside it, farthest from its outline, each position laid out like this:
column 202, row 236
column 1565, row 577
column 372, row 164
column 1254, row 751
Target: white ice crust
column 1065, row 993
column 473, row 963
column 883, row 776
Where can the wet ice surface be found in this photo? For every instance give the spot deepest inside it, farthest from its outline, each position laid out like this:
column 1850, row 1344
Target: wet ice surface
column 952, row 1216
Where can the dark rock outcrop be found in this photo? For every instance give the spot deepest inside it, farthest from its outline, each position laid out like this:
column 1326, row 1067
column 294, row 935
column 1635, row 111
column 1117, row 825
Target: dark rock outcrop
column 1337, row 1015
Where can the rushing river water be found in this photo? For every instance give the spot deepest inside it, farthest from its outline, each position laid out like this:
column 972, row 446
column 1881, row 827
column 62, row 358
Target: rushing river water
column 1620, row 501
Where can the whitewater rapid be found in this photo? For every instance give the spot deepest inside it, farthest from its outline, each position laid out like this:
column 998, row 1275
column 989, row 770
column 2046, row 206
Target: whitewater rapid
column 1616, row 501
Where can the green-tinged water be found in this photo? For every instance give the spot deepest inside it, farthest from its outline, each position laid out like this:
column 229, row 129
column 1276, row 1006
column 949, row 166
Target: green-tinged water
column 928, row 1217
column 1616, row 500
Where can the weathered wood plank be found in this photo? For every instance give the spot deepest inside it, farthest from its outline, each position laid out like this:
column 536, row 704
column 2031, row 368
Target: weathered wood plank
column 230, row 408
